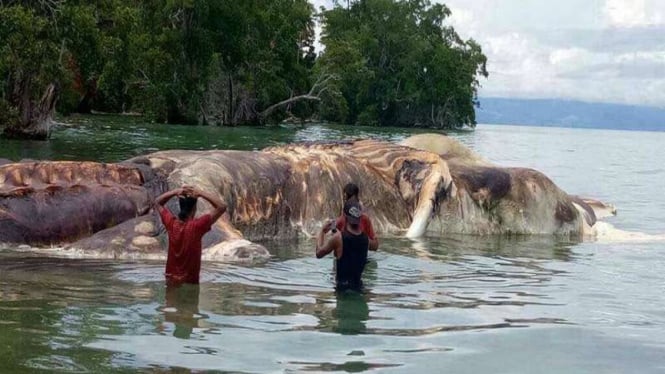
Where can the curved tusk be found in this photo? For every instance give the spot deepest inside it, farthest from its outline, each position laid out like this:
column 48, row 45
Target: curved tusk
column 426, row 198
column 439, row 175
column 421, row 218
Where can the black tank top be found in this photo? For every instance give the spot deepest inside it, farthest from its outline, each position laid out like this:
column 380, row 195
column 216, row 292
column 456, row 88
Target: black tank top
column 354, row 256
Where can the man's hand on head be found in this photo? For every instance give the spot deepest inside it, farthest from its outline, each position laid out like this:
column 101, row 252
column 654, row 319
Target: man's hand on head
column 188, row 191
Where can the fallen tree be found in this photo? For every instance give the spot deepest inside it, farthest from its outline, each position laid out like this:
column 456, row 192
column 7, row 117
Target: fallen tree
column 314, row 94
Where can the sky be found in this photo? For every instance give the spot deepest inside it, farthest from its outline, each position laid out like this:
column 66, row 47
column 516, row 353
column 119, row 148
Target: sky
column 610, row 51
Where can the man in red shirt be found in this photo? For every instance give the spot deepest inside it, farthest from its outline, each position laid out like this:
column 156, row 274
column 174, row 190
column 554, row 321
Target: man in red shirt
column 351, row 192
column 183, row 263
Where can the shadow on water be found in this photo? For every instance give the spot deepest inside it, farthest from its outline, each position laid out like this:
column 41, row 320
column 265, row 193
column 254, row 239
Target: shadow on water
column 348, row 367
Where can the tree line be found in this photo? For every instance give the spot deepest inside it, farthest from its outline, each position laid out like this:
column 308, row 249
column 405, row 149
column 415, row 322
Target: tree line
column 226, row 62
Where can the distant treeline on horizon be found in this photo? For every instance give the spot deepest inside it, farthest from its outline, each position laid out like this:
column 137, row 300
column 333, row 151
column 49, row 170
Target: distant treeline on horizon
column 569, row 113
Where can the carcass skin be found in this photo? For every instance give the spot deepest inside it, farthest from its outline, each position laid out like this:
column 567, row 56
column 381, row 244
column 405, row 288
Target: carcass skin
column 429, row 184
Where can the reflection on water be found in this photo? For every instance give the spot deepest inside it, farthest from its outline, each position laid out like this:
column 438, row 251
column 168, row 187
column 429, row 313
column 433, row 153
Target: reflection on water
column 351, row 313
column 182, row 309
column 117, row 138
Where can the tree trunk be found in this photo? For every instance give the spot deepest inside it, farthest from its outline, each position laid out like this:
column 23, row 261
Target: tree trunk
column 230, row 114
column 35, row 119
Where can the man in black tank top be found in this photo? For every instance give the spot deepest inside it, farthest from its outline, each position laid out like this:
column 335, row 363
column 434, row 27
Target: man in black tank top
column 350, row 246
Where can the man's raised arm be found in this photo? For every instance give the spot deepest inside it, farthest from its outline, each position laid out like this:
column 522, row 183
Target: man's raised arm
column 216, row 202
column 166, row 196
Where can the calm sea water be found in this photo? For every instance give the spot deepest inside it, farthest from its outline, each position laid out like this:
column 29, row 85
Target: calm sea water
column 457, row 304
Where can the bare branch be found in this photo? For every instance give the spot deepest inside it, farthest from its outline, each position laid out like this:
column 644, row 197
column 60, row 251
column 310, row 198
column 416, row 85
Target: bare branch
column 271, row 108
column 318, row 88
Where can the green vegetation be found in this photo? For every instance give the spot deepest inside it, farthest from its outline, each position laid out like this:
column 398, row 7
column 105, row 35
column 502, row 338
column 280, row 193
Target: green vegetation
column 400, row 65
column 224, row 62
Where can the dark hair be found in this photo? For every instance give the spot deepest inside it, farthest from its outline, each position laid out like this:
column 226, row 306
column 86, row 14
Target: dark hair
column 187, row 205
column 351, row 190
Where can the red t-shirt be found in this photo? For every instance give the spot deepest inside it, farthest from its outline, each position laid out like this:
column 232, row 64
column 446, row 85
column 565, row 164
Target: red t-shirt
column 365, row 225
column 183, row 262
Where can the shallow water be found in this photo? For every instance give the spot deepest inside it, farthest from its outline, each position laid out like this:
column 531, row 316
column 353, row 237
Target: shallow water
column 458, row 304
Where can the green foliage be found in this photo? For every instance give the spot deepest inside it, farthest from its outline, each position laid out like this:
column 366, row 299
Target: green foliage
column 267, row 47
column 28, row 42
column 225, row 61
column 400, row 65
column 183, row 46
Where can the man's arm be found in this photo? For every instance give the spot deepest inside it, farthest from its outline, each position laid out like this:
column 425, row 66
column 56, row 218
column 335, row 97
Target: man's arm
column 374, row 244
column 340, row 222
column 373, row 240
column 217, row 204
column 164, row 214
column 323, row 249
column 166, row 196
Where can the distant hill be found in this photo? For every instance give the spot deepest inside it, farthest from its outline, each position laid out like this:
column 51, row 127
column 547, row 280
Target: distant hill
column 565, row 113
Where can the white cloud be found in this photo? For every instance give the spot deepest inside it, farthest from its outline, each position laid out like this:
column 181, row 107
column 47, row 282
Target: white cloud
column 461, row 16
column 606, row 51
column 319, row 3
column 567, row 56
column 634, row 13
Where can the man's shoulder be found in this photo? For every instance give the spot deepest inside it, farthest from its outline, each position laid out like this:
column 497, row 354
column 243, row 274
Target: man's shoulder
column 165, row 215
column 203, row 217
column 203, row 223
column 164, row 210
